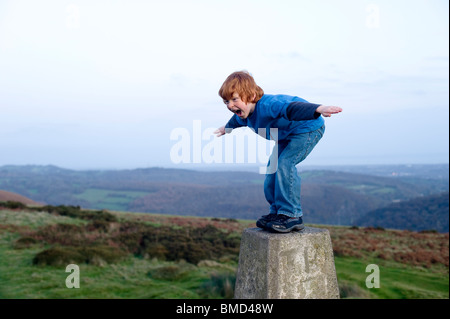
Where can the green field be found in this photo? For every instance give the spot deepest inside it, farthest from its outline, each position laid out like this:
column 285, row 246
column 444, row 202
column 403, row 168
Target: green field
column 132, row 278
column 142, row 278
column 397, row 281
column 150, row 278
column 115, row 200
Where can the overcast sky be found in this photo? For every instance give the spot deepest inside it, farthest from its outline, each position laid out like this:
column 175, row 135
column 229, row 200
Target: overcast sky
column 104, row 84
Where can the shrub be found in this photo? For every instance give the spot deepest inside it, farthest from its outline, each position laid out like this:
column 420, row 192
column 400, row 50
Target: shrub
column 166, row 243
column 70, row 211
column 219, row 286
column 76, row 212
column 171, row 272
column 24, row 242
column 62, row 234
column 99, row 215
column 429, row 231
column 97, row 255
column 68, row 228
column 129, row 241
column 353, row 291
column 155, row 250
column 58, row 256
column 196, row 252
column 12, row 205
column 99, row 225
column 148, row 241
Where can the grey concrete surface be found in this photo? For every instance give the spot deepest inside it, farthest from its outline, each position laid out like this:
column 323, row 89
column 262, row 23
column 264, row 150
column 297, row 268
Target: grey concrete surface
column 296, row 265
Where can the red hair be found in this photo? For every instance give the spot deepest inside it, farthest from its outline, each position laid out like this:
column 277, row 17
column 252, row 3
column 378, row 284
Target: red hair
column 242, row 83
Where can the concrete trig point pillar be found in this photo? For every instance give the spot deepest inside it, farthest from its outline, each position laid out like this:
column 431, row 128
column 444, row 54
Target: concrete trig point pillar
column 296, row 265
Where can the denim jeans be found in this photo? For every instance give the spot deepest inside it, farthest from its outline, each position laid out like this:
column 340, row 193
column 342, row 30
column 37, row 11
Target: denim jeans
column 282, row 183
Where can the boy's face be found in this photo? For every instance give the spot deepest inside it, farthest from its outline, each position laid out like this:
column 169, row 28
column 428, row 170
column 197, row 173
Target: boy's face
column 238, row 107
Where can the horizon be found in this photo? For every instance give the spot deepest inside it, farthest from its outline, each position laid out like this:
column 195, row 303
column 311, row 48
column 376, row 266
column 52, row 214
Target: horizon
column 235, row 167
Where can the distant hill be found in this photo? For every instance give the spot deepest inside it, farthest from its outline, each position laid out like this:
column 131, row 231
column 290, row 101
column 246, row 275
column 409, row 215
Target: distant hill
column 427, row 171
column 328, row 197
column 9, row 196
column 423, row 213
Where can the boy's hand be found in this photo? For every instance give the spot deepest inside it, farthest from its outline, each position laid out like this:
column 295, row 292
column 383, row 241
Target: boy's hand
column 220, row 131
column 328, row 110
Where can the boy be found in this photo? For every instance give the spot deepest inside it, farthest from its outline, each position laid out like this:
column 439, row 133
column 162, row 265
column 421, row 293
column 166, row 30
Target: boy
column 299, row 127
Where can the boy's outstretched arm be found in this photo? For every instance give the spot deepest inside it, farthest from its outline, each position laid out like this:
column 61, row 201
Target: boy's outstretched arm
column 301, row 111
column 227, row 128
column 220, row 131
column 327, row 111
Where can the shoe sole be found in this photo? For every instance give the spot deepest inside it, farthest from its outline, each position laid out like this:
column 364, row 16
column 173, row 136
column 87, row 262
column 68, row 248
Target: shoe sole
column 262, row 226
column 287, row 230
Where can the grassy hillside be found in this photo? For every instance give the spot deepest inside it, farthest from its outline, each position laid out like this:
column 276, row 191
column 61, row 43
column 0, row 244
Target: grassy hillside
column 423, row 213
column 133, row 255
column 9, row 196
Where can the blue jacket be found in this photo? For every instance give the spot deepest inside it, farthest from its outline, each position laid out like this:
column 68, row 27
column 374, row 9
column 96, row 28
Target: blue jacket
column 290, row 115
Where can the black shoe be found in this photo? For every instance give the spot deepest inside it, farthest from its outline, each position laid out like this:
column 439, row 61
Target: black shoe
column 285, row 224
column 263, row 220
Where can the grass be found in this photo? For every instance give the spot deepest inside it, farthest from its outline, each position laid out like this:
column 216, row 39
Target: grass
column 397, row 281
column 144, row 278
column 148, row 277
column 129, row 278
column 117, row 200
column 34, row 220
